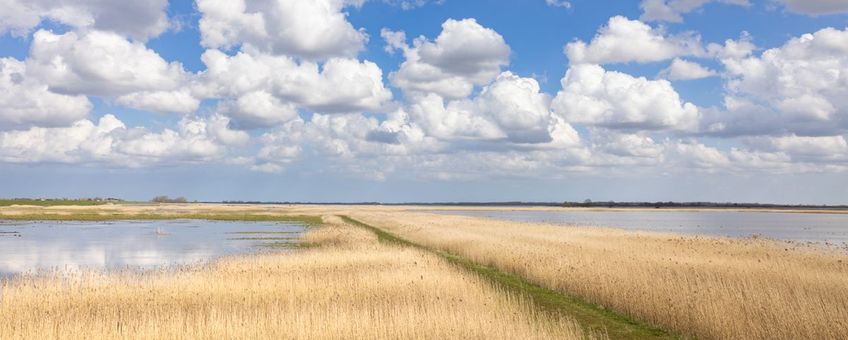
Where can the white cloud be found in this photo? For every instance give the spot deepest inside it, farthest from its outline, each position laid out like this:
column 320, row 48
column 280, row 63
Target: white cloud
column 137, row 19
column 110, row 141
column 177, row 101
column 797, row 88
column 786, row 154
column 394, row 40
column 84, row 140
column 733, row 49
column 101, row 64
column 412, row 4
column 464, row 54
column 518, row 107
column 453, row 120
column 672, row 10
column 623, row 40
column 26, row 102
column 801, row 148
column 558, row 3
column 258, row 109
column 626, row 145
column 591, row 95
column 685, row 70
column 311, row 29
column 511, row 109
column 464, row 117
column 348, row 140
column 336, row 86
column 816, row 7
column 693, row 154
column 362, row 147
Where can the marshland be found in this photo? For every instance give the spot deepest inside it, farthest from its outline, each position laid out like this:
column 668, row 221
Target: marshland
column 409, row 272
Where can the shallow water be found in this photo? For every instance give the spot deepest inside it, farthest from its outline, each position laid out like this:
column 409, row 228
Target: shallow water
column 820, row 228
column 70, row 246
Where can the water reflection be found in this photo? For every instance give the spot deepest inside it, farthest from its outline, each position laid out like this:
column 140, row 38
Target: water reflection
column 70, row 246
column 819, row 228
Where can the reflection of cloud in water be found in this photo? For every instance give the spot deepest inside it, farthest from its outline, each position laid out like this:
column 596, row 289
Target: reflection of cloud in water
column 31, row 256
column 74, row 246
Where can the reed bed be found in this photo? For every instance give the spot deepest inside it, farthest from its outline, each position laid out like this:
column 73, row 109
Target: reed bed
column 711, row 288
column 349, row 286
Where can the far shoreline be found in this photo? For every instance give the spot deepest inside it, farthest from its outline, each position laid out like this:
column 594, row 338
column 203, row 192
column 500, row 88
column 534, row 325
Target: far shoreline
column 839, row 211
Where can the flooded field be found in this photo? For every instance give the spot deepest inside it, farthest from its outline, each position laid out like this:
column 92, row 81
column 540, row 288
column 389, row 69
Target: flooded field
column 40, row 246
column 821, row 228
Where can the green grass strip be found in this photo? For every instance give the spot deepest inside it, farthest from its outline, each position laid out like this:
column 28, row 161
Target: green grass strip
column 590, row 316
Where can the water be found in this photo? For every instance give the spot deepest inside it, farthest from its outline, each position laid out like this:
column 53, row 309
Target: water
column 820, row 228
column 70, row 246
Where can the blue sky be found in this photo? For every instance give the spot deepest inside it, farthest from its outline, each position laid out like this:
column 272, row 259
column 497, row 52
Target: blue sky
column 313, row 101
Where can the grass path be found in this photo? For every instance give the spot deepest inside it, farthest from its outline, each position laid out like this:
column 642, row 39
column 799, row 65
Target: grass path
column 588, row 315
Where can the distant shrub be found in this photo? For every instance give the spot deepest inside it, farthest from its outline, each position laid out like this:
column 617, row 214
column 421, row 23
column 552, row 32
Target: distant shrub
column 166, row 199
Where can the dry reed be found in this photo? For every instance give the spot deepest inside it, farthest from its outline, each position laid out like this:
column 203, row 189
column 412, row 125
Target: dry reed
column 712, row 288
column 350, row 287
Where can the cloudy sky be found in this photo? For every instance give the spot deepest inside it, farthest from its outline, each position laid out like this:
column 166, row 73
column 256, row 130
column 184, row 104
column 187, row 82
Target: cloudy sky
column 417, row 100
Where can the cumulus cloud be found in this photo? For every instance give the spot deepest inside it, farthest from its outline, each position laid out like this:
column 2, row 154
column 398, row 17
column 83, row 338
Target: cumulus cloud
column 518, row 107
column 816, row 7
column 290, row 68
column 685, row 70
column 177, row 101
column 511, row 113
column 626, row 145
column 805, row 148
column 350, row 140
column 672, row 10
column 137, row 19
column 786, row 154
column 510, row 109
column 338, row 85
column 26, row 102
column 453, row 120
column 310, row 29
column 106, row 64
column 594, row 96
column 798, row 88
column 109, row 141
column 623, row 40
column 258, row 109
column 464, row 54
column 693, row 154
column 733, row 49
column 364, row 147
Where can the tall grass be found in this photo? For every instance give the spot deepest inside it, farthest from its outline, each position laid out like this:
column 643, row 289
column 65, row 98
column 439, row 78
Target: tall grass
column 348, row 287
column 710, row 288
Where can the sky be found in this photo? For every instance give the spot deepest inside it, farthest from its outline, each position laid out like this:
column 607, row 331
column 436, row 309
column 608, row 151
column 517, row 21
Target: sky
column 423, row 101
